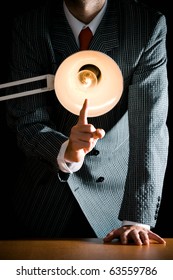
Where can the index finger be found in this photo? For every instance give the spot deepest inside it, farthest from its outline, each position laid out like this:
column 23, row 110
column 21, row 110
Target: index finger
column 83, row 113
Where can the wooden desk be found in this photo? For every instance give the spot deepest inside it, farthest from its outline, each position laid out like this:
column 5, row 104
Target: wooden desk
column 82, row 249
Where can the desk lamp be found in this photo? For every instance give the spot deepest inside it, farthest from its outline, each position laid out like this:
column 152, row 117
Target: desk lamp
column 88, row 74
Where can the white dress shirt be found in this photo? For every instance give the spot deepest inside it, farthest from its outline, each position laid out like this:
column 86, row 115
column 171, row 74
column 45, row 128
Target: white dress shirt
column 77, row 25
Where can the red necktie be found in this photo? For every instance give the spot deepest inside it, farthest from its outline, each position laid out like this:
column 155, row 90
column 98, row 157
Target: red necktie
column 85, row 37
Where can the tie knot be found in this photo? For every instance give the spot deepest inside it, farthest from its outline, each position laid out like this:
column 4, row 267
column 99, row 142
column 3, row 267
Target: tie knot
column 85, row 37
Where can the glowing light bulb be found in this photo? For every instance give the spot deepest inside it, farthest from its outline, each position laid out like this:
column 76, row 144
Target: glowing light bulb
column 86, row 79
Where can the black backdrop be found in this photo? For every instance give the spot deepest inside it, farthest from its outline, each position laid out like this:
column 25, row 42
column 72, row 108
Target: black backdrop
column 10, row 157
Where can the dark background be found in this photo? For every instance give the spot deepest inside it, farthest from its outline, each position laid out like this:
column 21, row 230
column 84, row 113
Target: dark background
column 10, row 157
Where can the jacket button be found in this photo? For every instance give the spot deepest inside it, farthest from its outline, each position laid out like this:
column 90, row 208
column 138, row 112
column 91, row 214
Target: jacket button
column 100, row 179
column 158, row 205
column 95, row 152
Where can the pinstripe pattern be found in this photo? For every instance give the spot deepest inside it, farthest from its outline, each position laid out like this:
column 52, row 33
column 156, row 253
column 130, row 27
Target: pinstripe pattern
column 133, row 153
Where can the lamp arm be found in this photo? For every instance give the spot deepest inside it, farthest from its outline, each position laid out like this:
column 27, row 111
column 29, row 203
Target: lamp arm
column 49, row 80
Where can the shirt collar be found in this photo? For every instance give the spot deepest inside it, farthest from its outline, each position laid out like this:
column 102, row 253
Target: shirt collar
column 77, row 25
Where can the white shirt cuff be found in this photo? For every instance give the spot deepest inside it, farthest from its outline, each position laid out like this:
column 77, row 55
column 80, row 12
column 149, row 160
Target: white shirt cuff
column 63, row 165
column 124, row 223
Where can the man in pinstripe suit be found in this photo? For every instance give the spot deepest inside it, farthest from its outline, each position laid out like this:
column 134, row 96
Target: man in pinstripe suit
column 102, row 176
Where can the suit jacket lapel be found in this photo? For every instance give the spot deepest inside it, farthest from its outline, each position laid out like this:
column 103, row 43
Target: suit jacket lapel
column 105, row 38
column 107, row 33
column 62, row 37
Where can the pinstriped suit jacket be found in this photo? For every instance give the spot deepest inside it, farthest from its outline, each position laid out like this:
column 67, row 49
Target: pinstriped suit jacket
column 122, row 178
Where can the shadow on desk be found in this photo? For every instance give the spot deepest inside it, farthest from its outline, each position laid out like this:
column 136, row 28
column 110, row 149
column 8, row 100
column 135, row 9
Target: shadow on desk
column 82, row 249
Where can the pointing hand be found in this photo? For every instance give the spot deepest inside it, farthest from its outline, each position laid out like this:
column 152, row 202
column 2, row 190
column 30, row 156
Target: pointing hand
column 83, row 137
